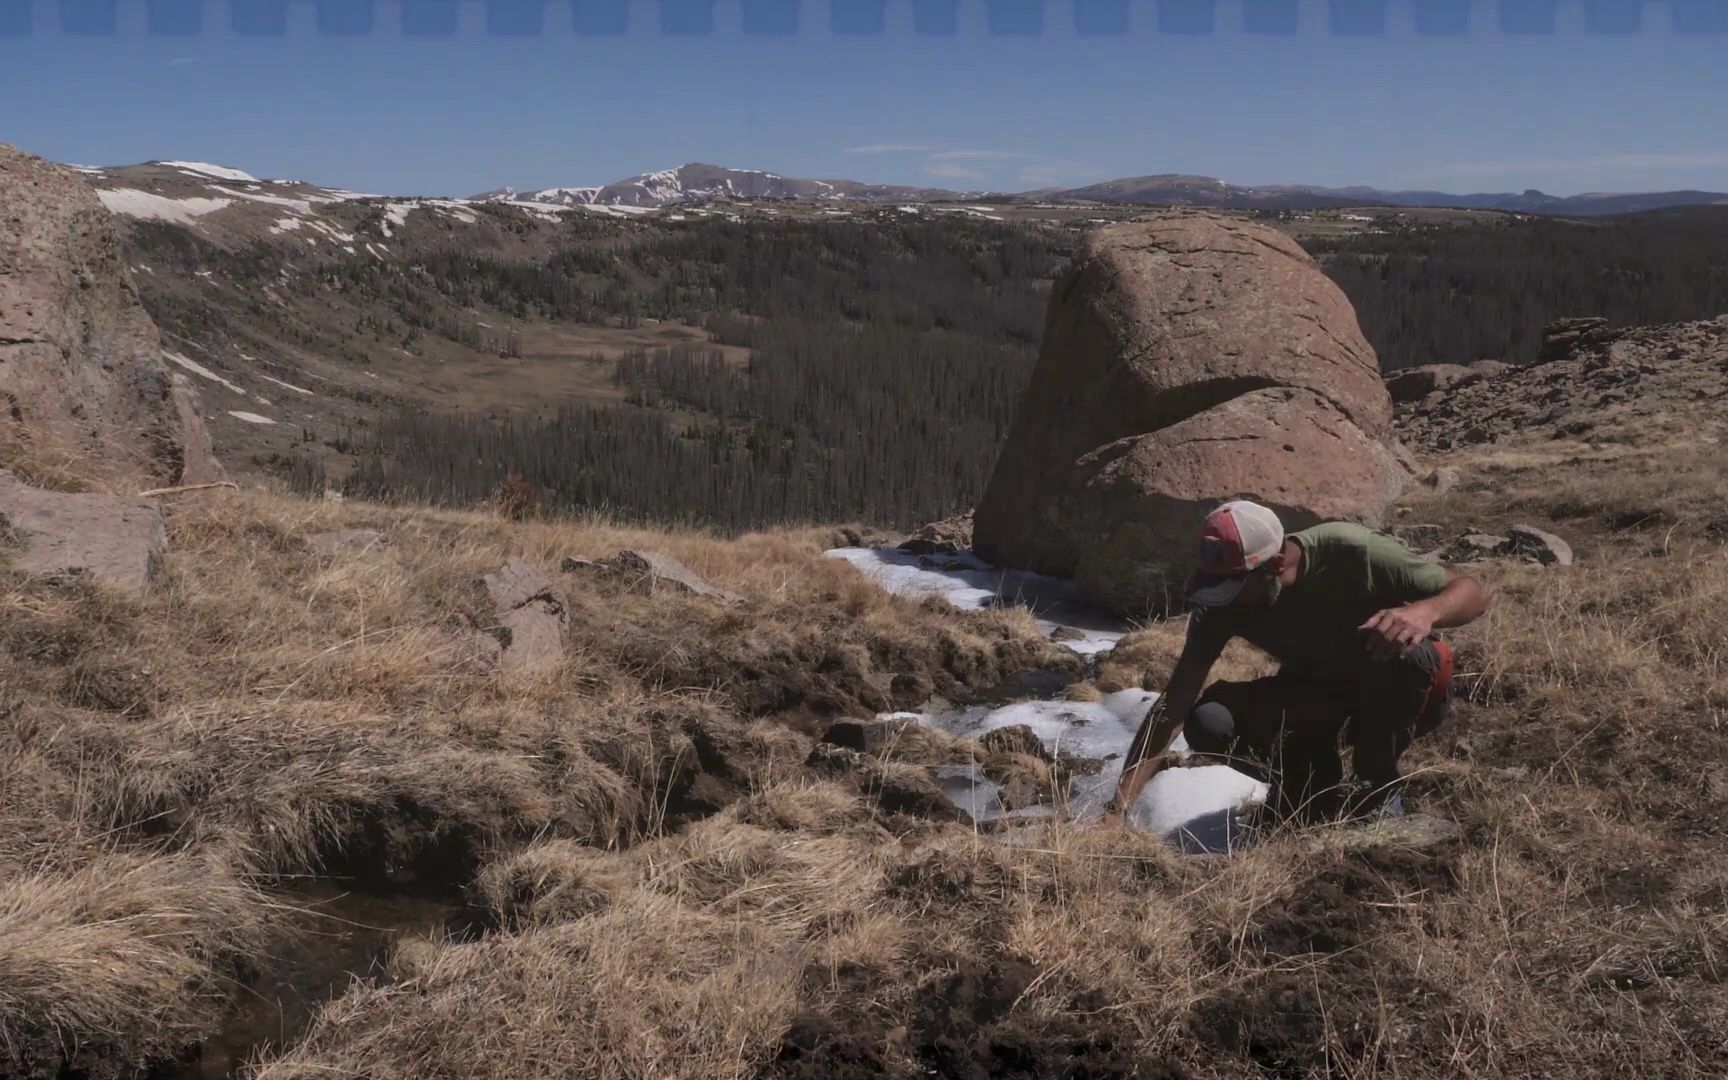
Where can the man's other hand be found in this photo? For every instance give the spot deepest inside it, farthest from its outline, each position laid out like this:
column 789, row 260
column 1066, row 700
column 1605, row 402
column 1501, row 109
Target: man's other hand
column 1393, row 630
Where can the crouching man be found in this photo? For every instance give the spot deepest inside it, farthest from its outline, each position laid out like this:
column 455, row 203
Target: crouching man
column 1350, row 615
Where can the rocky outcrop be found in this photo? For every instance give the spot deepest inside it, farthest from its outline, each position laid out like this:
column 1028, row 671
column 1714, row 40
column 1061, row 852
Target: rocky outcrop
column 1187, row 358
column 81, row 371
column 1645, row 385
column 113, row 541
column 1416, row 383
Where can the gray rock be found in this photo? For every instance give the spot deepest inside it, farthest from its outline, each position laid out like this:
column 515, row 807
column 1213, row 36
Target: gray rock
column 535, row 612
column 946, row 537
column 1483, row 543
column 115, row 541
column 1441, row 479
column 1548, row 549
column 653, row 569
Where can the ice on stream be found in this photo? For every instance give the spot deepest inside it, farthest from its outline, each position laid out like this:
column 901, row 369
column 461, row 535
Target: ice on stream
column 1196, row 806
column 968, row 582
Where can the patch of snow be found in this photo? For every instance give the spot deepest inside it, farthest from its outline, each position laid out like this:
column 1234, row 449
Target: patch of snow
column 396, row 214
column 200, row 370
column 331, row 231
column 219, row 172
column 285, row 385
column 1195, row 806
column 909, row 209
column 250, row 417
column 143, row 204
column 87, row 170
column 967, row 582
column 287, row 224
column 377, row 251
column 304, row 206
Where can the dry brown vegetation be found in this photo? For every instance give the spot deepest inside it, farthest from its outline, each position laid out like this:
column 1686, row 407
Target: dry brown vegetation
column 658, row 880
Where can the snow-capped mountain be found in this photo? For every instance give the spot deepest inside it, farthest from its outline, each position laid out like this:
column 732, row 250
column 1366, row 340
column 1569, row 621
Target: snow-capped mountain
column 696, row 182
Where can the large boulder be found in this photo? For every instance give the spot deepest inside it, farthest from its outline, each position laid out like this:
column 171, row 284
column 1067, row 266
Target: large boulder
column 84, row 393
column 1187, row 358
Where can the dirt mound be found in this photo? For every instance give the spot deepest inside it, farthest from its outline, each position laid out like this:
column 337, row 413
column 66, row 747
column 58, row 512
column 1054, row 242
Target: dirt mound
column 85, row 398
column 1162, row 336
column 1647, row 385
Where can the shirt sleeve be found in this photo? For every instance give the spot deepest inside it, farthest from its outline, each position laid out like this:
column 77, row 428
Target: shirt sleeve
column 1209, row 630
column 1398, row 575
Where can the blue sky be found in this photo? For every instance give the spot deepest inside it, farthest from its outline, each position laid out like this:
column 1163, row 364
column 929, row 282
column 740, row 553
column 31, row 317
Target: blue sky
column 1566, row 112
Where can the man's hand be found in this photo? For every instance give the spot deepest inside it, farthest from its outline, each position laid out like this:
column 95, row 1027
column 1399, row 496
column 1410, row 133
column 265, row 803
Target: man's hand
column 1393, row 630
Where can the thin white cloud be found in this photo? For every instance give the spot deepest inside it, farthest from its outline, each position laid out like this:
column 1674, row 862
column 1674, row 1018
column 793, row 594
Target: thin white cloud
column 1056, row 174
column 977, row 155
column 886, row 148
column 953, row 172
column 1579, row 166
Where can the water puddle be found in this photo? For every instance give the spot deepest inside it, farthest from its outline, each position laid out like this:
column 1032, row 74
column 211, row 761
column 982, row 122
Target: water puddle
column 345, row 936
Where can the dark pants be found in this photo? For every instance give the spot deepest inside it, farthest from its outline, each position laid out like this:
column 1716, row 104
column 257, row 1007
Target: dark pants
column 1285, row 728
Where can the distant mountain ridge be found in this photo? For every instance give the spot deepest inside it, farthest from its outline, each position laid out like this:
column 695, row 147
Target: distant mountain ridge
column 696, row 181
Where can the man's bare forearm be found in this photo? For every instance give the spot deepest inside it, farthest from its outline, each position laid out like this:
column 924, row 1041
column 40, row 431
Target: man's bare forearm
column 1158, row 731
column 1462, row 601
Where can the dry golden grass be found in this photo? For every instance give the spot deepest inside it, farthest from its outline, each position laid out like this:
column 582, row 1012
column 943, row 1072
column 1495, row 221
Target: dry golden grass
column 657, row 885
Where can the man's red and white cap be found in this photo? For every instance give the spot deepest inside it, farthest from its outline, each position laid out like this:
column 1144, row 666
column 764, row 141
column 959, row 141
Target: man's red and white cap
column 1238, row 538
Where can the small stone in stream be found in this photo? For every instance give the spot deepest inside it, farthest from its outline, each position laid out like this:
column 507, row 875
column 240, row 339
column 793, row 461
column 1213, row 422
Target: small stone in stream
column 1014, row 739
column 1067, row 633
column 925, row 562
column 1548, row 549
column 865, row 736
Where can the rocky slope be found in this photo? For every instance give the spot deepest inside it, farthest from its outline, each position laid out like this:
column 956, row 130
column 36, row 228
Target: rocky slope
column 1645, row 386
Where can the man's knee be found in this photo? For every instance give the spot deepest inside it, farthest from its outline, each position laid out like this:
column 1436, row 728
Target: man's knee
column 1210, row 728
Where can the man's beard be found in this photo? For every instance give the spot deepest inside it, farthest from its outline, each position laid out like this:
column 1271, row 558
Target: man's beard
column 1274, row 587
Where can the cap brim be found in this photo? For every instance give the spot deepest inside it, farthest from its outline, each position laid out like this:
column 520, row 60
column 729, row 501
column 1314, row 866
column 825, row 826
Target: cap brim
column 1212, row 590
